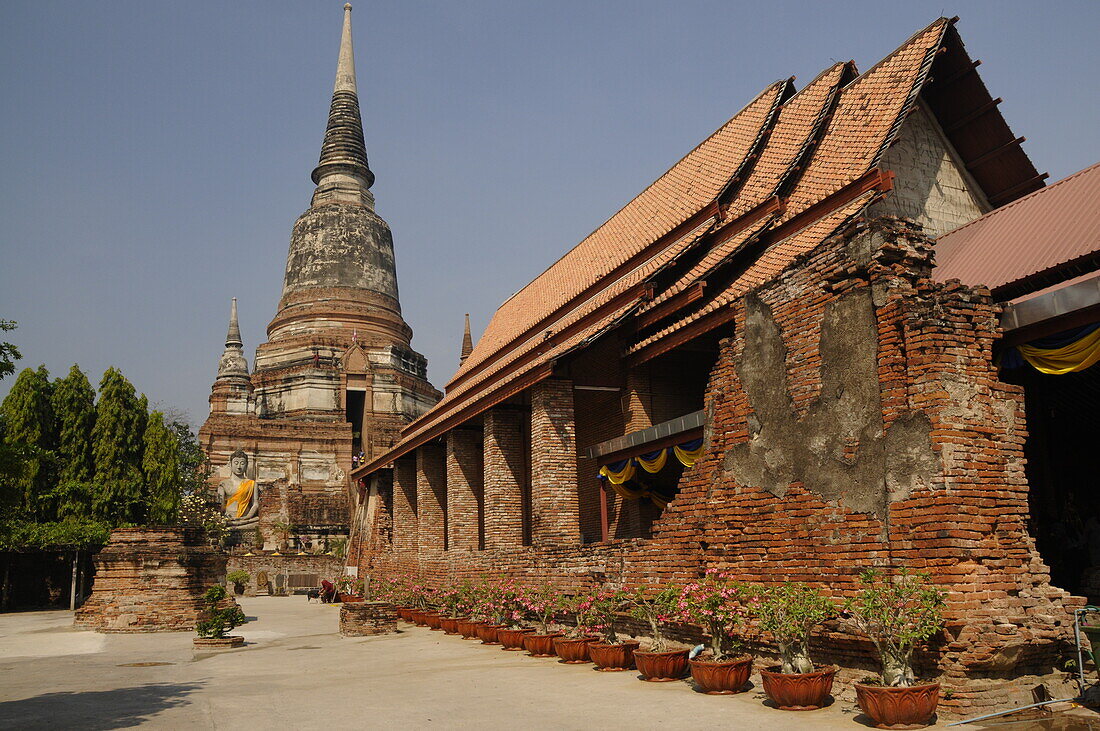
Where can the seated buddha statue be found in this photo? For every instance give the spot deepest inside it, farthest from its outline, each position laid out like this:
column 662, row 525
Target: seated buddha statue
column 239, row 496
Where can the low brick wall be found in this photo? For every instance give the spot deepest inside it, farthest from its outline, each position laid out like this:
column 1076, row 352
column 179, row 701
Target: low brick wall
column 325, row 567
column 359, row 619
column 151, row 580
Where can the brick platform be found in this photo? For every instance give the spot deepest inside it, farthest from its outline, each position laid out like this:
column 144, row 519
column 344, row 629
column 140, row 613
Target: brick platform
column 360, row 619
column 151, row 580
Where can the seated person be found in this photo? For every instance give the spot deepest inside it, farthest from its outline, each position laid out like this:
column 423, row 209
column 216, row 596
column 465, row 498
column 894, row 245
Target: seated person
column 328, row 591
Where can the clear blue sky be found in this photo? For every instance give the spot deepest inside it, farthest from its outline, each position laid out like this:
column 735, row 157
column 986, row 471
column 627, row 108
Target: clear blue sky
column 156, row 154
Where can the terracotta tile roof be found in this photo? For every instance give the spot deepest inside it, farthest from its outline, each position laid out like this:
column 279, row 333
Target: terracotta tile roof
column 1010, row 248
column 686, row 189
column 870, row 111
column 793, row 129
column 808, row 149
column 769, row 264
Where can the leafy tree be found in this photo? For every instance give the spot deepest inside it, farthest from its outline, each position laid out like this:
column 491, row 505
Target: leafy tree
column 161, row 465
column 29, row 432
column 117, row 445
column 74, row 408
column 8, row 352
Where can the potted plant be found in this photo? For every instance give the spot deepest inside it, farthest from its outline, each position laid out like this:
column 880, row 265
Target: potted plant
column 897, row 613
column 790, row 612
column 572, row 647
column 719, row 605
column 511, row 616
column 349, row 589
column 467, row 600
column 542, row 603
column 238, row 578
column 655, row 607
column 609, row 653
column 282, row 528
column 449, row 600
column 486, row 610
column 213, row 632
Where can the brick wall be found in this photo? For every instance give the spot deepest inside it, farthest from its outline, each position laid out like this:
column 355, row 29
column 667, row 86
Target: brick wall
column 405, row 531
column 555, row 518
column 465, row 490
column 431, row 498
column 504, row 463
column 855, row 419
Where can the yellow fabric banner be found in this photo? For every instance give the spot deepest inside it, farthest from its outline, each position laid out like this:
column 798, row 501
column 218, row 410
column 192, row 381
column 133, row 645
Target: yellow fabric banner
column 655, row 465
column 688, row 457
column 1077, row 356
column 243, row 497
column 618, row 478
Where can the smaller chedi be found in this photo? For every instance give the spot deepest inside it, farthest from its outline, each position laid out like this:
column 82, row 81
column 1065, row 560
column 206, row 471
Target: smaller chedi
column 238, row 495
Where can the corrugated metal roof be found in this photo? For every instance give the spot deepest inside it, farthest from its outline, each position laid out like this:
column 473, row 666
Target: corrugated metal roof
column 1006, row 249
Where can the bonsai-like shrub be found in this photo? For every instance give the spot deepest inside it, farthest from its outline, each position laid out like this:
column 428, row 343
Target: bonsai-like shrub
column 718, row 605
column 220, row 621
column 238, row 579
column 601, row 611
column 542, row 604
column 897, row 613
column 656, row 606
column 790, row 612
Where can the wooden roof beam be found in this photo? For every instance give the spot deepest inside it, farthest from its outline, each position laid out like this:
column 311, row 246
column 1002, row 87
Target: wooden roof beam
column 995, row 152
column 983, row 109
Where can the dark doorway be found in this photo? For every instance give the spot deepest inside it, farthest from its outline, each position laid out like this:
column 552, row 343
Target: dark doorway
column 356, row 400
column 1063, row 423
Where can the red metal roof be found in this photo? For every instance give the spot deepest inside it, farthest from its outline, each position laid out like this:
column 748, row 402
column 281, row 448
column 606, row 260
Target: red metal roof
column 1041, row 239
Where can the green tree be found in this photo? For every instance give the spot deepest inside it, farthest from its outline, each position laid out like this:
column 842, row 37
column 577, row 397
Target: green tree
column 74, row 408
column 29, row 432
column 161, row 465
column 117, row 446
column 8, row 352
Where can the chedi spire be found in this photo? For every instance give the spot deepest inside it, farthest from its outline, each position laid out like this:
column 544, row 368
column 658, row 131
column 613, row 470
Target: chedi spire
column 342, row 173
column 233, row 365
column 467, row 342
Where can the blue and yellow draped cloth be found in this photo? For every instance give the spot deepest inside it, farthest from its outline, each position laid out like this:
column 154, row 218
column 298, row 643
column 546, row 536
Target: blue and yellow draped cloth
column 1067, row 352
column 618, row 474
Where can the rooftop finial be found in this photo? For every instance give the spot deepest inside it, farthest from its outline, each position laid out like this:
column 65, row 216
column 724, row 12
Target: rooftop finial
column 467, row 342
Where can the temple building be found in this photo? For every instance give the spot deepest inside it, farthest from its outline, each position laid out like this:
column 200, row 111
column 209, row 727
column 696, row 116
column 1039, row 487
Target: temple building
column 756, row 366
column 337, row 378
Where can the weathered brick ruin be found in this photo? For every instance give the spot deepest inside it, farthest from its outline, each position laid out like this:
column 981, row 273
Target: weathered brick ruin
column 765, row 295
column 151, row 580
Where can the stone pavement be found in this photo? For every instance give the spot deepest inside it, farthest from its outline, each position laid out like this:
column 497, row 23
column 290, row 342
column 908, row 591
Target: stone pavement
column 296, row 671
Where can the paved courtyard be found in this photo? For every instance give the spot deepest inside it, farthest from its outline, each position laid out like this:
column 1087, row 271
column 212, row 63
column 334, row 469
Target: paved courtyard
column 297, row 672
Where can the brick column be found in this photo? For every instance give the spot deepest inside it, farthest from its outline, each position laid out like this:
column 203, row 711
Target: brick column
column 431, row 498
column 639, row 399
column 404, row 505
column 504, row 477
column 464, row 488
column 555, row 513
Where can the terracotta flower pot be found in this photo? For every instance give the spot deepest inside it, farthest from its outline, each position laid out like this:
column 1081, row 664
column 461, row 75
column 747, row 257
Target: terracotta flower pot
column 901, row 708
column 572, row 650
column 403, row 613
column 449, row 625
column 468, row 628
column 799, row 691
column 612, row 658
column 417, row 617
column 512, row 639
column 488, row 633
column 661, row 667
column 349, row 598
column 722, row 678
column 432, row 619
column 540, row 645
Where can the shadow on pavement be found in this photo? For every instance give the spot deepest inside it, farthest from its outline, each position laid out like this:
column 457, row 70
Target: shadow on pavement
column 95, row 710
